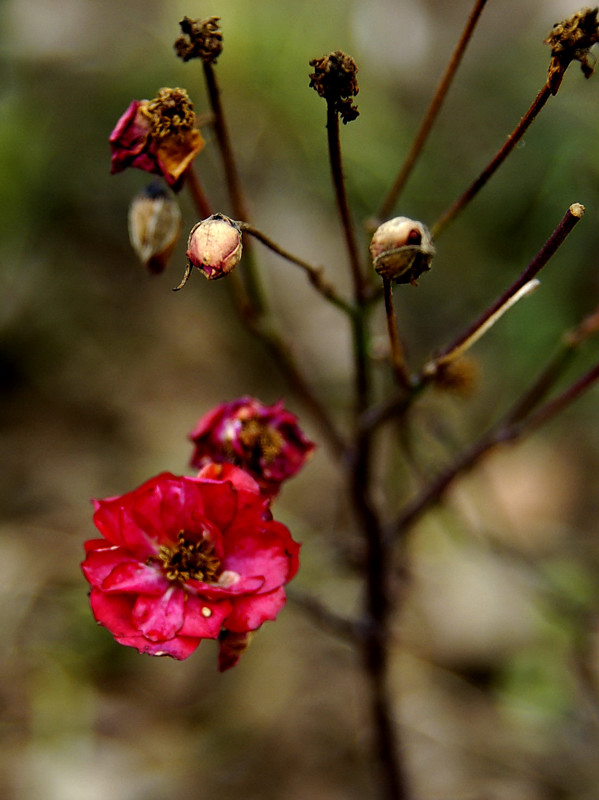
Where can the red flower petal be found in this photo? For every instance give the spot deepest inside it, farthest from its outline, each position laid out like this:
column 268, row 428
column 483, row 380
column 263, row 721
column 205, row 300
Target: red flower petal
column 250, row 612
column 203, row 619
column 159, row 618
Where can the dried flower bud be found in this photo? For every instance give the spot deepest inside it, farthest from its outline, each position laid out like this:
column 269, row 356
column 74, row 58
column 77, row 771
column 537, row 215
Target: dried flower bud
column 571, row 40
column 214, row 247
column 402, row 249
column 205, row 41
column 334, row 78
column 458, row 377
column 154, row 226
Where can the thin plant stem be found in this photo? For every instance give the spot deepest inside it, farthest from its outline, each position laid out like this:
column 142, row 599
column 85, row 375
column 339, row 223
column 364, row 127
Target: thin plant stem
column 358, row 326
column 249, row 297
column 466, row 343
column 375, row 646
column 509, row 429
column 341, row 198
column 432, row 112
column 572, row 216
column 512, row 140
column 324, row 617
column 233, row 181
column 200, row 201
column 398, row 361
column 281, row 354
column 314, row 273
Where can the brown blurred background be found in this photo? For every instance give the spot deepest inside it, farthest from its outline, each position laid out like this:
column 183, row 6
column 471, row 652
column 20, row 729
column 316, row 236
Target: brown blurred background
column 104, row 371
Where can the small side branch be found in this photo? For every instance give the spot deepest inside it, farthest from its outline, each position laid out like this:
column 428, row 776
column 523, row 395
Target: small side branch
column 512, row 140
column 432, row 112
column 572, row 216
column 314, row 273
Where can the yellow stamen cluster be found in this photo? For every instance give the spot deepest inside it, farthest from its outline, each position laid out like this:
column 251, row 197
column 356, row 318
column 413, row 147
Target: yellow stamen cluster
column 190, row 561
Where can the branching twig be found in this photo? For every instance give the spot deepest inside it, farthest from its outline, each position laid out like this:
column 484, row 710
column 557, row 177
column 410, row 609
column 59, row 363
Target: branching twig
column 314, row 273
column 573, row 215
column 432, row 112
column 509, row 429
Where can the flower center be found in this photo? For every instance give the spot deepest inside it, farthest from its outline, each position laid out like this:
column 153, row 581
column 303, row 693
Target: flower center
column 190, row 561
column 261, row 440
column 171, row 113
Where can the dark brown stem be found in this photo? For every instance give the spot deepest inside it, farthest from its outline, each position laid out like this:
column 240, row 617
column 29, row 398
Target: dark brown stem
column 196, row 191
column 233, row 181
column 511, row 428
column 512, row 140
column 377, row 633
column 398, row 361
column 224, row 142
column 314, row 273
column 324, row 617
column 281, row 354
column 432, row 112
column 341, row 197
column 573, row 215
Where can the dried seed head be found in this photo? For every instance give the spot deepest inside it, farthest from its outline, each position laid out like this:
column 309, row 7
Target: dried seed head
column 401, row 250
column 204, row 40
column 334, row 78
column 570, row 40
column 214, row 247
column 154, row 226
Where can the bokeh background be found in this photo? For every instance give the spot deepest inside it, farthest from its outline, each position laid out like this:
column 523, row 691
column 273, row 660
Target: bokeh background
column 104, row 371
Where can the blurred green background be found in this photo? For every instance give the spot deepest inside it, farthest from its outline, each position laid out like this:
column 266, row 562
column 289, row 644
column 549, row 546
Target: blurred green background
column 104, row 371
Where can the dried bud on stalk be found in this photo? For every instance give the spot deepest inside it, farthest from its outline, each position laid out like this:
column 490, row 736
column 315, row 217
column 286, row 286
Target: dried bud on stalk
column 401, row 250
column 334, row 78
column 205, row 41
column 154, row 226
column 214, row 247
column 571, row 40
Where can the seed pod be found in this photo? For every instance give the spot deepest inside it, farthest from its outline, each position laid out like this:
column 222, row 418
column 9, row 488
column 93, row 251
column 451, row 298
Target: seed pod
column 214, row 247
column 402, row 249
column 154, row 226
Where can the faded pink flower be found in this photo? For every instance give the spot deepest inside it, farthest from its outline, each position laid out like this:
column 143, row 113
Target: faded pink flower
column 266, row 441
column 158, row 136
column 184, row 559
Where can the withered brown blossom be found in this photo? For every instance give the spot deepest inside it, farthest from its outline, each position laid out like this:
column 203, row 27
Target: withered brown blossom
column 334, row 78
column 170, row 113
column 201, row 39
column 570, row 40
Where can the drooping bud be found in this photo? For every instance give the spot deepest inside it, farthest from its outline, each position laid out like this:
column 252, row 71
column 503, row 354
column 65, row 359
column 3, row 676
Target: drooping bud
column 402, row 249
column 154, row 226
column 204, row 39
column 334, row 78
column 214, row 247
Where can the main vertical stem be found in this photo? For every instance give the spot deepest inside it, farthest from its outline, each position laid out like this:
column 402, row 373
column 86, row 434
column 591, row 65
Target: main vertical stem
column 375, row 647
column 386, row 745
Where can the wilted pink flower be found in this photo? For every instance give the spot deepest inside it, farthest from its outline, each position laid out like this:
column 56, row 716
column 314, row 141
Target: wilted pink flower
column 158, row 136
column 184, row 559
column 266, row 441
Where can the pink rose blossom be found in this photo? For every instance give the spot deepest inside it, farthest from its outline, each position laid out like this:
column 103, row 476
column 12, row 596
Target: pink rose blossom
column 265, row 441
column 184, row 559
